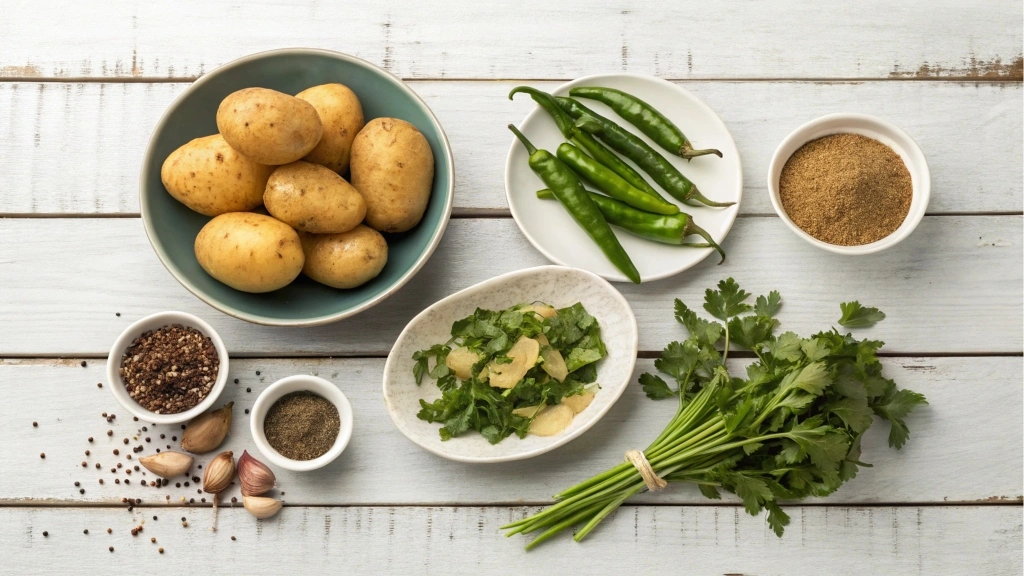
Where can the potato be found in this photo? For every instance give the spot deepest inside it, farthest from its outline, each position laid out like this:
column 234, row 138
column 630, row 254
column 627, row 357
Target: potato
column 552, row 361
column 345, row 260
column 542, row 310
column 393, row 168
column 269, row 126
column 311, row 198
column 578, row 402
column 524, row 354
column 551, row 420
column 249, row 252
column 461, row 361
column 342, row 118
column 211, row 178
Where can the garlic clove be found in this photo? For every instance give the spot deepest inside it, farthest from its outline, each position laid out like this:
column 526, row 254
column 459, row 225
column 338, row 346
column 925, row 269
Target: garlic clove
column 261, row 507
column 167, row 464
column 219, row 473
column 207, row 431
column 255, row 477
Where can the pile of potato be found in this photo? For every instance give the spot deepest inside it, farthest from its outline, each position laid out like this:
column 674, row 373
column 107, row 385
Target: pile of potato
column 288, row 154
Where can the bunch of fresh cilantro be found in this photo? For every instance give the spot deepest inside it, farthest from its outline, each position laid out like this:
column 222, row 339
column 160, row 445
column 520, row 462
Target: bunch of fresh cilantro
column 791, row 427
column 472, row 404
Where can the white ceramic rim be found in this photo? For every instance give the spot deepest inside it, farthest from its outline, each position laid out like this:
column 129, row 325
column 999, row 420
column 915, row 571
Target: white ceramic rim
column 907, row 149
column 594, row 77
column 327, row 319
column 497, row 280
column 309, row 383
column 129, row 334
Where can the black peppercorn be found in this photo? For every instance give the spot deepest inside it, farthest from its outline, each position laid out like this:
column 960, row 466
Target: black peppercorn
column 84, row 364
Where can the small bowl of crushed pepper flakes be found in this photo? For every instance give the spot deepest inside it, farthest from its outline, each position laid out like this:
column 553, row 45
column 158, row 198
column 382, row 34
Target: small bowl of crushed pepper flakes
column 301, row 422
column 168, row 367
column 850, row 183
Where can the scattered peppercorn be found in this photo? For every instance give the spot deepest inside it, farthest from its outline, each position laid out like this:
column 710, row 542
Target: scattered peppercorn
column 84, row 364
column 119, row 465
column 232, row 537
column 248, row 389
column 154, row 517
column 86, row 452
column 84, row 464
column 35, row 424
column 125, row 440
column 236, row 380
column 161, row 550
column 99, row 384
column 78, row 484
column 117, row 314
column 86, row 531
column 116, row 452
column 90, row 438
column 43, row 455
column 234, row 499
column 111, row 548
column 101, row 480
column 153, row 540
column 108, row 530
column 110, row 432
column 246, row 410
column 97, row 465
column 135, row 531
column 45, row 533
column 81, row 490
column 257, row 372
column 117, row 480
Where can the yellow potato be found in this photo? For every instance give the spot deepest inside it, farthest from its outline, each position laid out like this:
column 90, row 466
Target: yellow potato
column 393, row 168
column 461, row 361
column 269, row 126
column 551, row 420
column 211, row 178
column 542, row 310
column 345, row 260
column 342, row 118
column 578, row 402
column 312, row 198
column 524, row 354
column 249, row 252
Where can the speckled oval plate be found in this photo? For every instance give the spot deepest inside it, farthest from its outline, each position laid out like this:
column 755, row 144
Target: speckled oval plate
column 555, row 285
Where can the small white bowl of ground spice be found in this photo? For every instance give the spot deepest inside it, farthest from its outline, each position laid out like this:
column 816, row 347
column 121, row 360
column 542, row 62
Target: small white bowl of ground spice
column 850, row 183
column 168, row 367
column 301, row 422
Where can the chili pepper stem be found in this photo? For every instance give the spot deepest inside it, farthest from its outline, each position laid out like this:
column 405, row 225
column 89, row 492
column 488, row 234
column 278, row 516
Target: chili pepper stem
column 696, row 196
column 530, row 148
column 688, row 152
column 692, row 228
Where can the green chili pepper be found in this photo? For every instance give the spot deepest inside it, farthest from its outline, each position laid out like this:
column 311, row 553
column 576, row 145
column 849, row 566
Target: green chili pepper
column 632, row 147
column 667, row 229
column 645, row 117
column 569, row 191
column 610, row 183
column 602, row 154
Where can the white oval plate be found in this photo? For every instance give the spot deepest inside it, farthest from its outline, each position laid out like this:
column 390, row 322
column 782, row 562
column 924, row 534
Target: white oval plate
column 556, row 285
column 553, row 231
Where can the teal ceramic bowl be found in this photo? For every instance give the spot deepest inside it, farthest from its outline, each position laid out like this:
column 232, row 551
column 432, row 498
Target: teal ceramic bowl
column 172, row 228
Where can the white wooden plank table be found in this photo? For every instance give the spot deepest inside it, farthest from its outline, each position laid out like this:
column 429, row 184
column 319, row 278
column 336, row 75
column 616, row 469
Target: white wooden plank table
column 82, row 85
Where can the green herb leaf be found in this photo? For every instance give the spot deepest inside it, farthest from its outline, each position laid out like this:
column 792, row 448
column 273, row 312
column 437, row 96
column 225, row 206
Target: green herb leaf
column 727, row 301
column 679, row 359
column 705, row 332
column 786, row 347
column 709, row 491
column 655, row 387
column 768, row 306
column 857, row 316
column 777, row 519
column 895, row 407
column 813, row 379
column 854, row 412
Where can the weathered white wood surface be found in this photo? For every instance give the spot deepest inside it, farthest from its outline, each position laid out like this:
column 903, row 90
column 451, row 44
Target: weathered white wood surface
column 960, row 450
column 523, row 39
column 832, row 540
column 82, row 85
column 70, row 151
column 954, row 286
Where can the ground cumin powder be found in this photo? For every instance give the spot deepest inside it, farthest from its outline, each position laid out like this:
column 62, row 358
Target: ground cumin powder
column 846, row 189
column 302, row 425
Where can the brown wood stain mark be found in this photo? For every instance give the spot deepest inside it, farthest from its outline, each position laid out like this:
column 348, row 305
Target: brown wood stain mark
column 19, row 71
column 971, row 67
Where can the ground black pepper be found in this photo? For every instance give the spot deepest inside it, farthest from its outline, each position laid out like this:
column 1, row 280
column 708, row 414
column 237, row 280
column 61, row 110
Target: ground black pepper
column 302, row 425
column 171, row 369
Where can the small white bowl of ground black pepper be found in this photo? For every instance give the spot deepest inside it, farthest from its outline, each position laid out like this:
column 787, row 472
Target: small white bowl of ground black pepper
column 850, row 183
column 301, row 422
column 168, row 367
